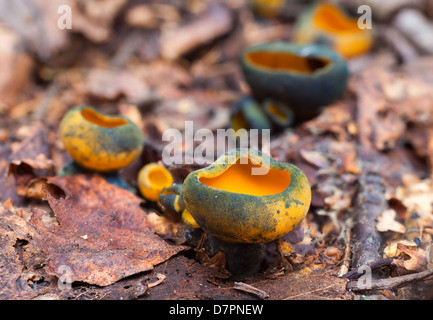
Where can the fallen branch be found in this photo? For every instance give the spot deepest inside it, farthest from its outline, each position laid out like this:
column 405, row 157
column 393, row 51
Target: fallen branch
column 344, row 269
column 389, row 283
column 356, row 273
column 371, row 200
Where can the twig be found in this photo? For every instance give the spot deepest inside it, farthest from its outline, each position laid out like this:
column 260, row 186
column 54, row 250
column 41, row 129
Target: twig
column 160, row 280
column 344, row 269
column 354, row 274
column 250, row 289
column 390, row 283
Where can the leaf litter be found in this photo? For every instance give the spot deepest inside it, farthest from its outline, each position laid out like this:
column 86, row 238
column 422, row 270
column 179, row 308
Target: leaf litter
column 181, row 65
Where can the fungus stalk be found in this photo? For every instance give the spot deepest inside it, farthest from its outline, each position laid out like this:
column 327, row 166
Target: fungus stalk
column 242, row 259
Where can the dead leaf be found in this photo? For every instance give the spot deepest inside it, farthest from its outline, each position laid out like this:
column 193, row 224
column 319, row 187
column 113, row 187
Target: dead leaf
column 15, row 65
column 387, row 222
column 36, row 23
column 27, row 169
column 315, row 158
column 110, row 84
column 118, row 241
column 391, row 250
column 213, row 23
column 418, row 259
column 94, row 18
column 28, row 160
column 18, row 259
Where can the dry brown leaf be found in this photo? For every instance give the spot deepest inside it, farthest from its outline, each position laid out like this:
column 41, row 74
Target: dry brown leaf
column 17, row 258
column 103, row 235
column 36, row 23
column 387, row 222
column 391, row 250
column 418, row 259
column 216, row 21
column 111, row 84
column 15, row 65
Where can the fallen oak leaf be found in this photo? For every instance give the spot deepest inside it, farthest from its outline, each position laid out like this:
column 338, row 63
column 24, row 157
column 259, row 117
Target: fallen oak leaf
column 119, row 241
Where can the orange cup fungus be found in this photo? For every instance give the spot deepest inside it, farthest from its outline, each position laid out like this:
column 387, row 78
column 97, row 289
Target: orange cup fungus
column 152, row 180
column 327, row 23
column 245, row 196
column 267, row 8
column 100, row 142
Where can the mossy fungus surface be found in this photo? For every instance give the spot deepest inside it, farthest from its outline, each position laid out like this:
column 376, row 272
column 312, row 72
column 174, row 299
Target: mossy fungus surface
column 100, row 142
column 246, row 196
column 304, row 77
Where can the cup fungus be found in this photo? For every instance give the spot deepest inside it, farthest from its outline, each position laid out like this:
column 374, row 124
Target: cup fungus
column 267, row 8
column 246, row 198
column 327, row 23
column 100, row 142
column 152, row 180
column 304, row 77
column 248, row 114
column 171, row 200
column 281, row 115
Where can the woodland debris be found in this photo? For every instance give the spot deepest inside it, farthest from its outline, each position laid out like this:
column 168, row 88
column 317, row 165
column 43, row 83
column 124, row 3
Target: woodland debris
column 357, row 272
column 35, row 21
column 384, row 10
column 216, row 21
column 387, row 222
column 250, row 289
column 120, row 241
column 389, row 283
column 417, row 262
column 417, row 27
column 16, row 66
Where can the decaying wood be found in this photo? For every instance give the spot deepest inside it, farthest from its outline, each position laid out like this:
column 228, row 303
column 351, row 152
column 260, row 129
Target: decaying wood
column 371, row 200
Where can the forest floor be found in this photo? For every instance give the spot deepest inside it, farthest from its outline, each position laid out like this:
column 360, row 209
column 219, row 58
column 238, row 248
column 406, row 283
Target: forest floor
column 368, row 156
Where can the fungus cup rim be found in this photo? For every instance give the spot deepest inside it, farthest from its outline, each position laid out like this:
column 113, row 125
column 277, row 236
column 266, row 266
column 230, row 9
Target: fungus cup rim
column 230, row 158
column 80, row 109
column 310, row 50
column 247, row 218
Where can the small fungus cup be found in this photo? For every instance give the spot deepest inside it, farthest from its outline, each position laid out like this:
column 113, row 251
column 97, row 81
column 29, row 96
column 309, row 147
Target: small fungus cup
column 153, row 178
column 248, row 114
column 171, row 200
column 267, row 9
column 304, row 77
column 328, row 24
column 243, row 200
column 281, row 116
column 99, row 142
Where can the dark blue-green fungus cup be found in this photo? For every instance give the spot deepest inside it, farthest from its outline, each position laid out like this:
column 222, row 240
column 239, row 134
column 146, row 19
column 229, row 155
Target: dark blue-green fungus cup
column 304, row 77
